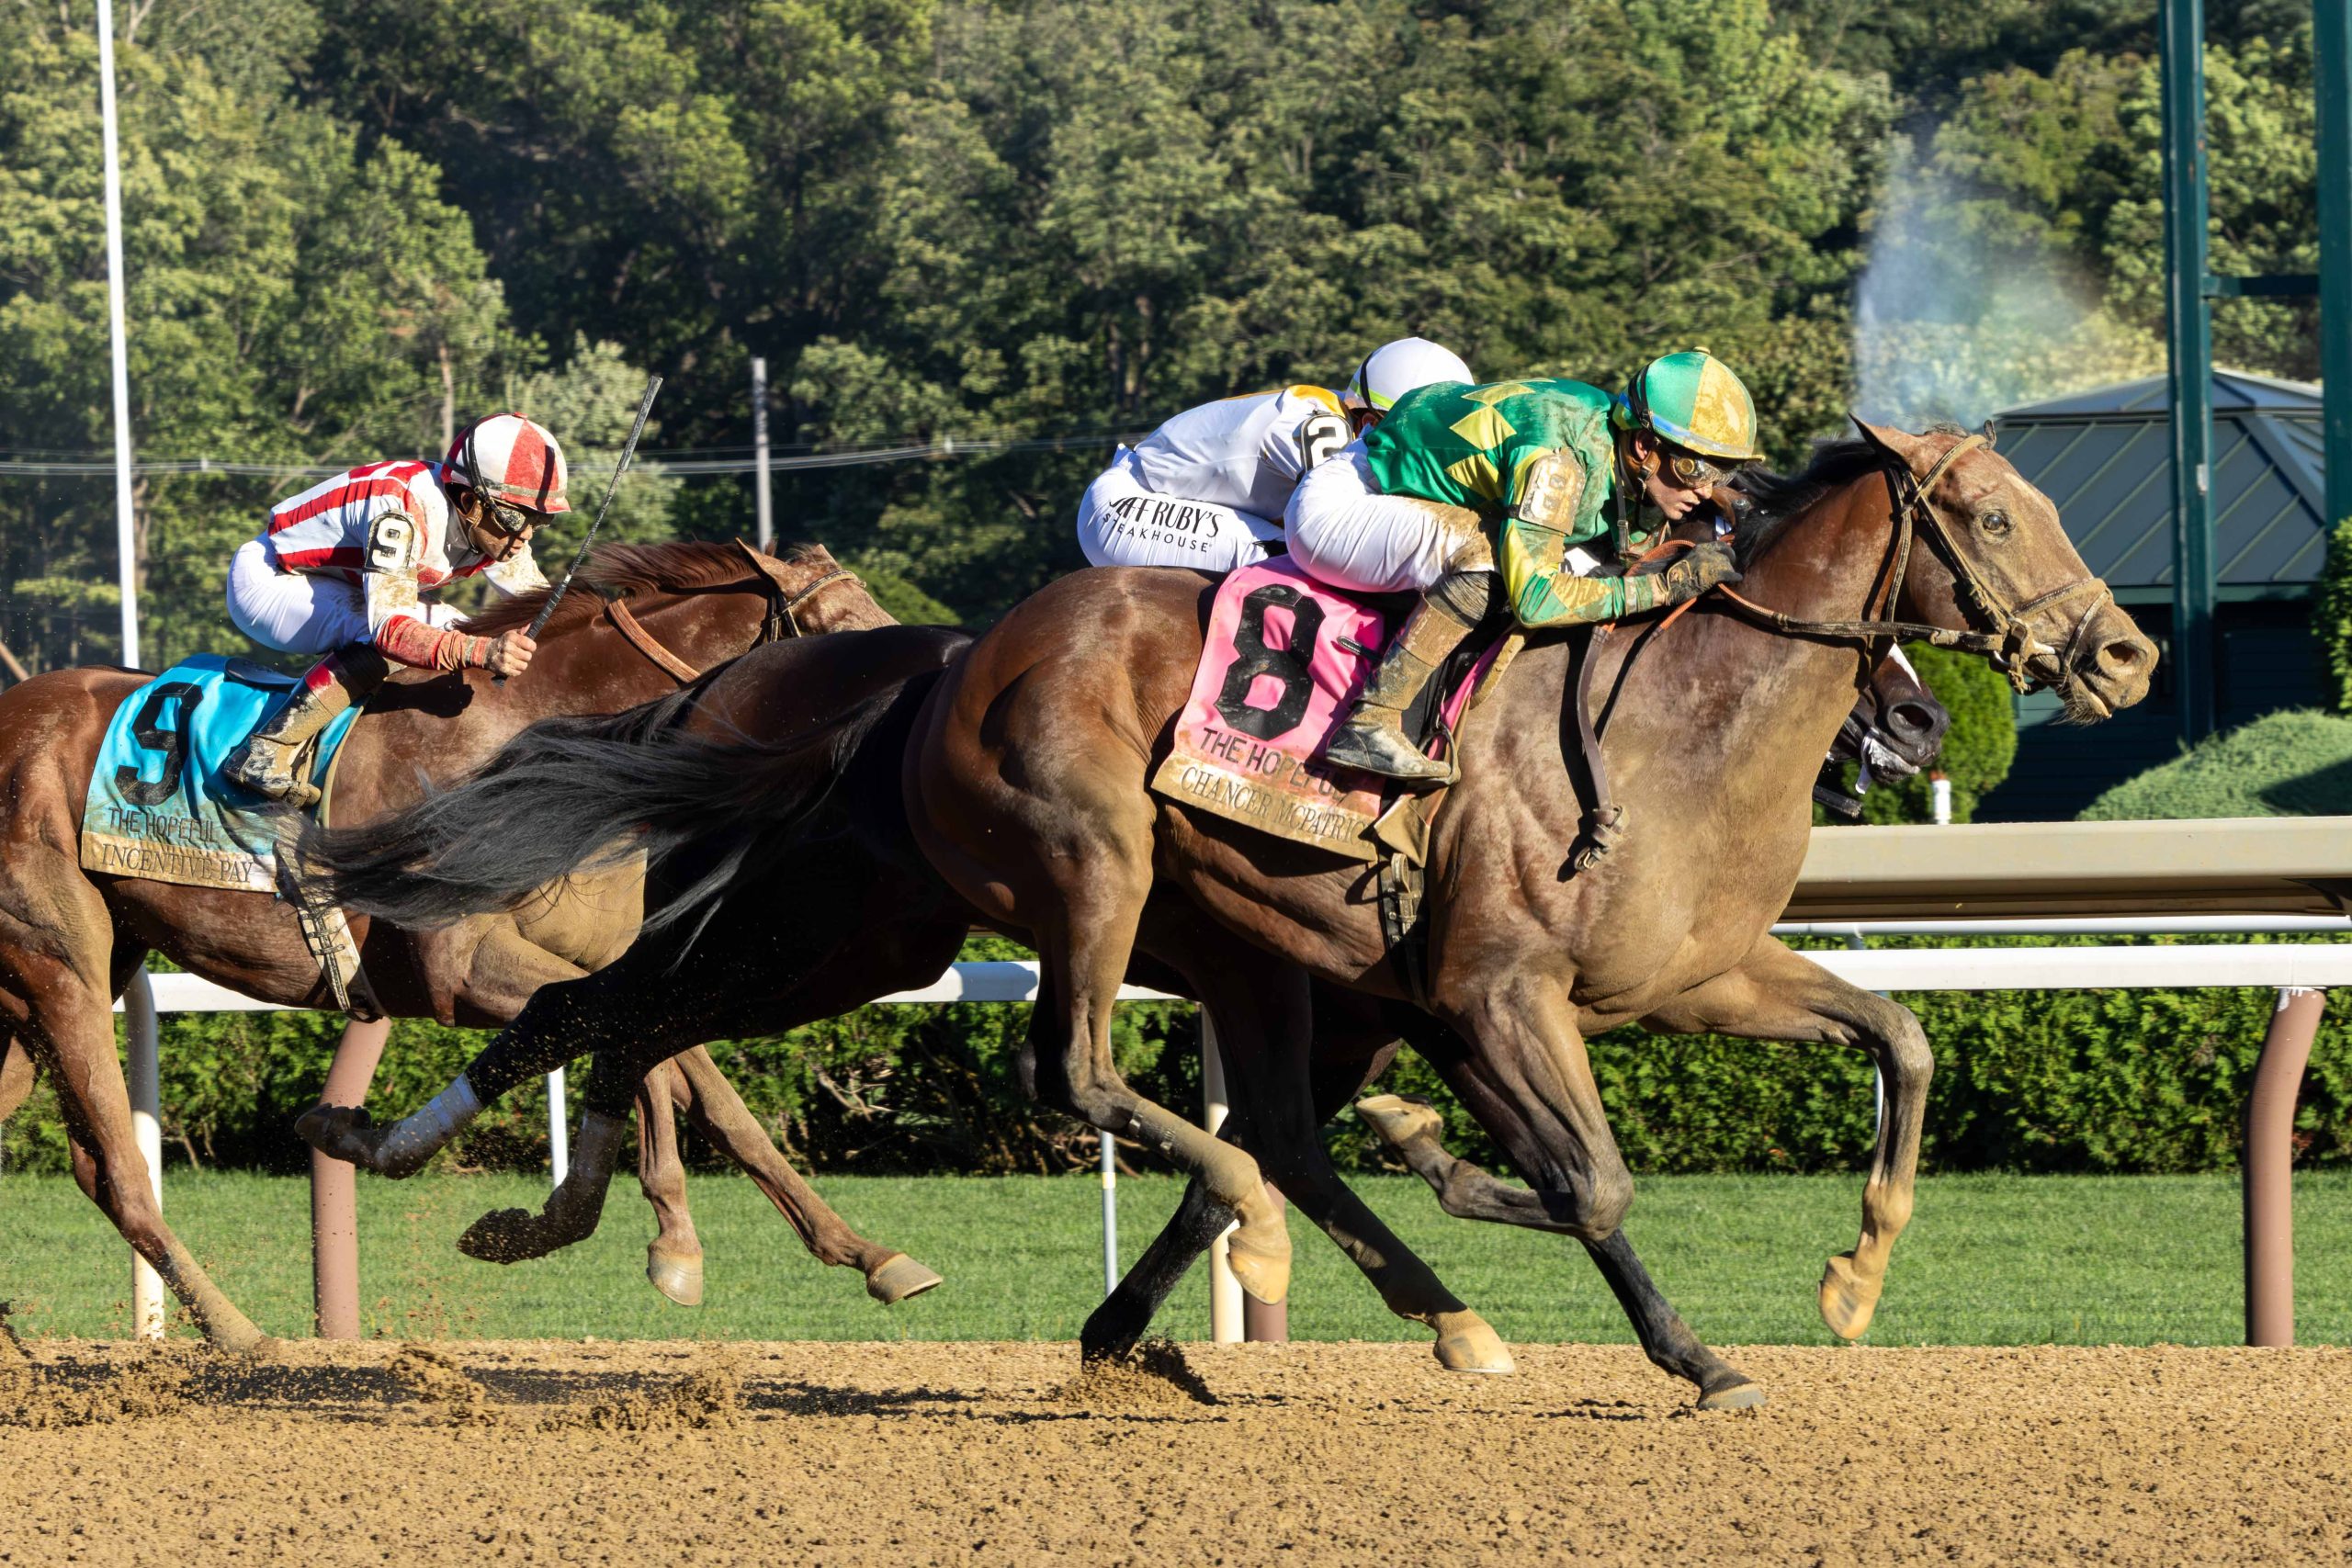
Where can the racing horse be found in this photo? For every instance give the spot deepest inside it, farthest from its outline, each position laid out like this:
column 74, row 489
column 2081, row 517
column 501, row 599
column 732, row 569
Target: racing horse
column 71, row 939
column 783, row 947
column 1025, row 787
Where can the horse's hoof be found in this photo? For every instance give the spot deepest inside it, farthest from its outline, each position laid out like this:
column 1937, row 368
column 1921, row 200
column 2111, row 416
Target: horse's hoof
column 1848, row 1300
column 1473, row 1347
column 1263, row 1273
column 336, row 1131
column 506, row 1236
column 1741, row 1396
column 1399, row 1121
column 899, row 1277
column 677, row 1275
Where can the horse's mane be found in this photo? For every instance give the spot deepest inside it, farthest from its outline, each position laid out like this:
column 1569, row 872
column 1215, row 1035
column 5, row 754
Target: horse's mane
column 617, row 571
column 1780, row 499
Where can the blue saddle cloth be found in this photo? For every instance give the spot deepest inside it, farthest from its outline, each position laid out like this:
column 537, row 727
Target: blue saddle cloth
column 159, row 806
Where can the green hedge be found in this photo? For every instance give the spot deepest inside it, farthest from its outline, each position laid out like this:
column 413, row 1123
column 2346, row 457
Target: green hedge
column 2026, row 1080
column 2297, row 764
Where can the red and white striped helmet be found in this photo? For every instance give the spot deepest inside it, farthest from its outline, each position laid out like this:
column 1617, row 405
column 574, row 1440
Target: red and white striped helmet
column 512, row 459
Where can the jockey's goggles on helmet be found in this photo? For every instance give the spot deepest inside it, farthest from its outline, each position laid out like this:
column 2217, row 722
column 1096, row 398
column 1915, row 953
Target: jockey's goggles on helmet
column 1687, row 470
column 508, row 522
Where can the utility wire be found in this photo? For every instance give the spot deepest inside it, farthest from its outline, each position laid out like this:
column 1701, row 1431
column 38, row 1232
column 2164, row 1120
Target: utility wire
column 683, row 466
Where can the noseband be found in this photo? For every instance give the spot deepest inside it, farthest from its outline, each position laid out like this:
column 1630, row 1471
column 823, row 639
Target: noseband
column 2010, row 644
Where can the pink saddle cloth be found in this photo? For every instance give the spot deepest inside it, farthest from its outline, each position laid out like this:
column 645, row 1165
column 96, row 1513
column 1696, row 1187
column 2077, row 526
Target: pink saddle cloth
column 1284, row 657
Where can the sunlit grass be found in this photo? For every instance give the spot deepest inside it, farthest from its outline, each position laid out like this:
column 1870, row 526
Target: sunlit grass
column 1988, row 1259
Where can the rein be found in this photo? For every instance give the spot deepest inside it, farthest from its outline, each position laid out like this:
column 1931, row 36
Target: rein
column 780, row 622
column 2011, row 646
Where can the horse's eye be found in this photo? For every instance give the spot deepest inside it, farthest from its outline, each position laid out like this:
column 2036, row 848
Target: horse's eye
column 1995, row 522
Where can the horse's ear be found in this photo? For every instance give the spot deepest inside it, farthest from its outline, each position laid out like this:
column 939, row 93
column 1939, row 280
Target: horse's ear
column 1989, row 435
column 1899, row 444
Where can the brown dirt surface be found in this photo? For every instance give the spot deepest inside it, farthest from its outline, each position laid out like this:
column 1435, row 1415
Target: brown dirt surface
column 920, row 1453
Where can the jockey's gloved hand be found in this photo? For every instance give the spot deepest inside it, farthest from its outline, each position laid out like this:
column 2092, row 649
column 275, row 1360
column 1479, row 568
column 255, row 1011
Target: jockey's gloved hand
column 1696, row 570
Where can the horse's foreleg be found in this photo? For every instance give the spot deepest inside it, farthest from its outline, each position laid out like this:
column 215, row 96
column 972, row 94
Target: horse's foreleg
column 57, row 990
column 1083, row 951
column 674, row 1259
column 1411, row 1128
column 720, row 1115
column 16, row 1074
column 1776, row 994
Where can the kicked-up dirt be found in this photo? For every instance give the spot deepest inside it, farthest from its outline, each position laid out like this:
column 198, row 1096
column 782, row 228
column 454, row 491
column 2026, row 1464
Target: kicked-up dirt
column 919, row 1453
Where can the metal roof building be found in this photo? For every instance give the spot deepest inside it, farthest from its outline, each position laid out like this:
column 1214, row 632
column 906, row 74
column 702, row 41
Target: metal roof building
column 2104, row 456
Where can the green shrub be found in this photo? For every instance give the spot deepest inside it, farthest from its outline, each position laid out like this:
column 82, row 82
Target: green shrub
column 1978, row 748
column 2297, row 764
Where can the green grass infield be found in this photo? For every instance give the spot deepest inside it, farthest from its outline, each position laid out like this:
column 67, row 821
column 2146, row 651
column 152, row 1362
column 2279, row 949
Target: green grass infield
column 1987, row 1260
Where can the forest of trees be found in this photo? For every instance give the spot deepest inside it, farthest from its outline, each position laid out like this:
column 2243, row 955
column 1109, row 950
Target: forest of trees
column 349, row 225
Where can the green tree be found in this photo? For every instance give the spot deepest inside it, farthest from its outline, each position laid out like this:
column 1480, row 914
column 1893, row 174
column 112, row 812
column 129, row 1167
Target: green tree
column 291, row 300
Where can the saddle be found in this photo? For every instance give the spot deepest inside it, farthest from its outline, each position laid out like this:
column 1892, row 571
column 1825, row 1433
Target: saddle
column 1282, row 657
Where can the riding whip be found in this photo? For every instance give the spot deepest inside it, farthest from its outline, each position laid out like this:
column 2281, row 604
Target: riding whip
column 628, row 450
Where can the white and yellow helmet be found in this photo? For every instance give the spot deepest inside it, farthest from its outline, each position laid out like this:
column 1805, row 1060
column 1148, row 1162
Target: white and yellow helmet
column 1396, row 368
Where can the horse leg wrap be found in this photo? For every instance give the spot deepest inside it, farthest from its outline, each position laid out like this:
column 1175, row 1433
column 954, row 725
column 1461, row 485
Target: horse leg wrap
column 415, row 1139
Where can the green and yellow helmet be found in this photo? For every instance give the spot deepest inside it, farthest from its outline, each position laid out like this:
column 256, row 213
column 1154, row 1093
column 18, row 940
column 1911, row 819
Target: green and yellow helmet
column 1694, row 401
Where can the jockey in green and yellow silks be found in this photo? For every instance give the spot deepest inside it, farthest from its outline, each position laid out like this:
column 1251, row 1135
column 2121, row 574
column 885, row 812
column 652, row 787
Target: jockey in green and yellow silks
column 1551, row 471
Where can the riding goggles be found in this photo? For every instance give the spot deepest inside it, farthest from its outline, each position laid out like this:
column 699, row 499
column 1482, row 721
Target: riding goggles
column 1688, row 470
column 509, row 521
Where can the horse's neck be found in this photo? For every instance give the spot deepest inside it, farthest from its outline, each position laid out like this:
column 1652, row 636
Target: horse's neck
column 1713, row 705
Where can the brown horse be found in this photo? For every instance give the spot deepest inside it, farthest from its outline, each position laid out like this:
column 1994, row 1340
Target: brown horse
column 652, row 617
column 783, row 947
column 1026, row 788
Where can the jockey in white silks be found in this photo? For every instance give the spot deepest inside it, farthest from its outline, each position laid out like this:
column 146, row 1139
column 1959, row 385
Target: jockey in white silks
column 1207, row 489
column 342, row 569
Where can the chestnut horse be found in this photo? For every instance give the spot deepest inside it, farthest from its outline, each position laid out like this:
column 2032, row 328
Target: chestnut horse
column 645, row 619
column 1026, row 788
column 785, row 947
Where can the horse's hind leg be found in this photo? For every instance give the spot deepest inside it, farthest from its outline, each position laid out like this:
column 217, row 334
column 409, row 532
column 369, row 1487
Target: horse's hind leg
column 1776, row 994
column 720, row 1115
column 674, row 1259
column 16, row 1074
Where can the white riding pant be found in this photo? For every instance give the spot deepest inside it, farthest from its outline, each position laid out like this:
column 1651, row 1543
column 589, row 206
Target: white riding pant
column 1345, row 533
column 1120, row 523
column 299, row 612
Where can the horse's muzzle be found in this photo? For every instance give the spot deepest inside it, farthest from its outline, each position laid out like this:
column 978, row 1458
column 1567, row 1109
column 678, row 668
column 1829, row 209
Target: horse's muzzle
column 2110, row 665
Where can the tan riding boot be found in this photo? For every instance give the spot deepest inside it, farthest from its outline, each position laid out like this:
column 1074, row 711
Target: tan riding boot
column 266, row 762
column 1372, row 739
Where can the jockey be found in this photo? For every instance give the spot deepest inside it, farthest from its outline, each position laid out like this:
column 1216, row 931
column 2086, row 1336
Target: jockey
column 1207, row 489
column 1411, row 506
column 342, row 568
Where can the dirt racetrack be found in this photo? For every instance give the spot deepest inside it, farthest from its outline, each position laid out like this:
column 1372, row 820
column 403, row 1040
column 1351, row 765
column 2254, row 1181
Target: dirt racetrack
column 916, row 1453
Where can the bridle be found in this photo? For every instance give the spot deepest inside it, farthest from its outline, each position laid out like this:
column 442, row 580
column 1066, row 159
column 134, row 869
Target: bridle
column 2009, row 643
column 781, row 622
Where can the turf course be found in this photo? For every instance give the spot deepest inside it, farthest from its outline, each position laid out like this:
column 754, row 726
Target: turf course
column 1988, row 1260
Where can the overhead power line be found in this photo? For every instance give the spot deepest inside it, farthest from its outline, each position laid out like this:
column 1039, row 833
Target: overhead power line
column 683, row 465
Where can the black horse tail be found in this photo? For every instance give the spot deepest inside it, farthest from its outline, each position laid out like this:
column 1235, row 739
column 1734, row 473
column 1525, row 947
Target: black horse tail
column 569, row 797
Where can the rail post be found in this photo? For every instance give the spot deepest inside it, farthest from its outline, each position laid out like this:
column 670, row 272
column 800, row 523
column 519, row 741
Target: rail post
column 146, row 1086
column 335, row 1189
column 1110, row 1212
column 2269, row 1164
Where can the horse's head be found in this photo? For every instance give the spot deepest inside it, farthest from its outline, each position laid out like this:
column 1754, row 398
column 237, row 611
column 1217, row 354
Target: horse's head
column 1996, row 561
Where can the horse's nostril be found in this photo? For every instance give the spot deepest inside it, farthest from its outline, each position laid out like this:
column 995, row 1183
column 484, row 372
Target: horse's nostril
column 2123, row 655
column 1909, row 719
